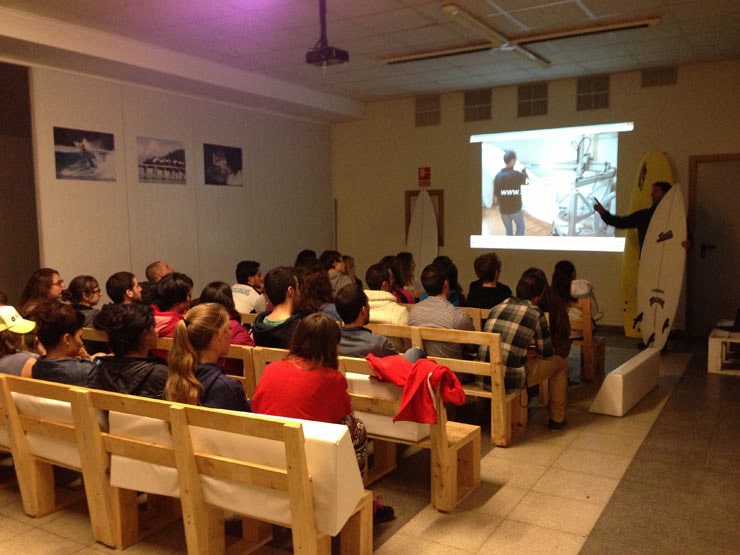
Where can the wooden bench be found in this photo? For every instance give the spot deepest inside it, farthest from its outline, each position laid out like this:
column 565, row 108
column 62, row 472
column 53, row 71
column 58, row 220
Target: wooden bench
column 478, row 315
column 248, row 318
column 454, row 447
column 125, row 445
column 592, row 347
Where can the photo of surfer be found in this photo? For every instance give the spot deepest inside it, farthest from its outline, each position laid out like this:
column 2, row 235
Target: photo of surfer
column 222, row 165
column 85, row 155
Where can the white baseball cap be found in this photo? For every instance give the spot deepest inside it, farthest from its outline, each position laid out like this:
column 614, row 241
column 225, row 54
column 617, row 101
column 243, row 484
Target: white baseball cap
column 12, row 321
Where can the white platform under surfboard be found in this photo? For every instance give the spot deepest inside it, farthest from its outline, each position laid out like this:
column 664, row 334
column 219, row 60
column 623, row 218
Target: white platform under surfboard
column 661, row 271
column 624, row 386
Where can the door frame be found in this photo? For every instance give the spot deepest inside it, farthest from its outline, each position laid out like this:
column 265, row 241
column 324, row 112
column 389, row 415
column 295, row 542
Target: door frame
column 694, row 162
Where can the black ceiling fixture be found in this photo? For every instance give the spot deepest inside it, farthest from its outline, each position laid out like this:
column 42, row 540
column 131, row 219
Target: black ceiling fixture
column 322, row 54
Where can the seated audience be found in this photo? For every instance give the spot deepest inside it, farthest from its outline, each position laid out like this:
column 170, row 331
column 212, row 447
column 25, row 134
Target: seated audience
column 131, row 369
column 408, row 273
column 521, row 323
column 350, row 269
column 248, row 289
column 306, row 257
column 220, row 292
column 316, row 293
column 384, row 307
column 174, row 293
column 489, row 291
column 402, row 295
column 307, row 385
column 59, row 329
column 275, row 328
column 123, row 287
column 357, row 340
column 559, row 324
column 455, row 296
column 333, row 263
column 436, row 311
column 201, row 338
column 154, row 272
column 12, row 327
column 570, row 289
column 43, row 285
column 83, row 293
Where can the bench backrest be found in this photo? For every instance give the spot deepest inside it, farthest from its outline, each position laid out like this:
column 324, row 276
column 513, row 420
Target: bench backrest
column 584, row 323
column 478, row 315
column 248, row 318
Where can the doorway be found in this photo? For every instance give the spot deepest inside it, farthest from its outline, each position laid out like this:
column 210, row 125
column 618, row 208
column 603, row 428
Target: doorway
column 713, row 282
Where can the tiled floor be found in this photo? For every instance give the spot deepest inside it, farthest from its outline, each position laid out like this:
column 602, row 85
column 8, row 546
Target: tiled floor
column 544, row 494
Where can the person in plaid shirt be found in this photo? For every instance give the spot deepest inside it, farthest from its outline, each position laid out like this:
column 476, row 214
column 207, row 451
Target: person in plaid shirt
column 526, row 346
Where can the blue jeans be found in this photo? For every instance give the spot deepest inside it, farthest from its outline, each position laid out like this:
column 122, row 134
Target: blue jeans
column 511, row 219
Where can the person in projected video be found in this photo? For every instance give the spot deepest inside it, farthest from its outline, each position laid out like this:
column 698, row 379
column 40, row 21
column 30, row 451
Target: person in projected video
column 507, row 189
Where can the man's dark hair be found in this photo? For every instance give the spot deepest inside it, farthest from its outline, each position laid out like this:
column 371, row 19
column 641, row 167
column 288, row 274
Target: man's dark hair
column 218, row 292
column 53, row 320
column 531, row 284
column 306, row 257
column 245, row 270
column 125, row 323
column 509, row 155
column 173, row 289
column 277, row 282
column 349, row 302
column 376, row 275
column 329, row 258
column 486, row 266
column 433, row 280
column 663, row 185
column 118, row 284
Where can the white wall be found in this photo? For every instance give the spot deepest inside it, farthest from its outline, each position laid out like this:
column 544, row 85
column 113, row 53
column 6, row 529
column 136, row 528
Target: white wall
column 99, row 227
column 376, row 160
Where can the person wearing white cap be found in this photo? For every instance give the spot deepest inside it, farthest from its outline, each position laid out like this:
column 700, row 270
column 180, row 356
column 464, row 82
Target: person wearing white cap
column 12, row 326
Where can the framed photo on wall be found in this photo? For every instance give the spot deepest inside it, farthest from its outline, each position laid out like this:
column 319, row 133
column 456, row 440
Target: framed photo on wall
column 160, row 161
column 84, row 154
column 222, row 165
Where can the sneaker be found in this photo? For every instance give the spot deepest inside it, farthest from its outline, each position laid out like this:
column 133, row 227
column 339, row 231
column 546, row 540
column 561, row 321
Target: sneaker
column 382, row 513
column 556, row 426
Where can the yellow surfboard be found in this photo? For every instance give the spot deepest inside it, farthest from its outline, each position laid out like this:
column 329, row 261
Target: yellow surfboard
column 654, row 166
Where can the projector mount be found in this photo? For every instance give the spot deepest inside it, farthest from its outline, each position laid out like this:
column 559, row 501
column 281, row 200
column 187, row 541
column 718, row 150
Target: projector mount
column 322, row 54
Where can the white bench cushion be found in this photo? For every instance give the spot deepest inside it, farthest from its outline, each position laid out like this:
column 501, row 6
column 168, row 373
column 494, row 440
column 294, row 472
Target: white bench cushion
column 378, row 424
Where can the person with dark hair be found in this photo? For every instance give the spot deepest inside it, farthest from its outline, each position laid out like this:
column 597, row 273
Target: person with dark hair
column 306, row 257
column 307, row 385
column 570, row 289
column 174, row 293
column 201, row 338
column 123, row 287
column 521, row 323
column 316, row 292
column 131, row 369
column 384, row 307
column 357, row 340
column 559, row 323
column 12, row 327
column 43, row 285
column 275, row 328
column 456, row 296
column 639, row 219
column 59, row 329
column 154, row 272
column 490, row 291
column 436, row 311
column 507, row 190
column 249, row 287
column 332, row 262
column 401, row 294
column 84, row 293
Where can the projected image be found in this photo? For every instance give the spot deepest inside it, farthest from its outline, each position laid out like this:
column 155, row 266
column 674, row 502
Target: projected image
column 543, row 184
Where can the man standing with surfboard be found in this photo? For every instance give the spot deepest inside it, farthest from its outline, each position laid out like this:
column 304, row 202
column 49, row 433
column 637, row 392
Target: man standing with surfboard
column 639, row 219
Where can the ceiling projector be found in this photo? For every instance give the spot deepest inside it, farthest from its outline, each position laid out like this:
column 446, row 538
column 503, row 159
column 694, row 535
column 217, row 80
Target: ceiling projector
column 326, row 56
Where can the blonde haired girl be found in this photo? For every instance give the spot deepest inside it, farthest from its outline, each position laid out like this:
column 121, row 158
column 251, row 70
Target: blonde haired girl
column 194, row 377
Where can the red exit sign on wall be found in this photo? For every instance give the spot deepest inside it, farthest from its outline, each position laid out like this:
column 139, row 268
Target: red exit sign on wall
column 425, row 176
